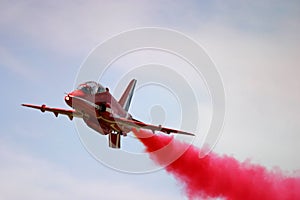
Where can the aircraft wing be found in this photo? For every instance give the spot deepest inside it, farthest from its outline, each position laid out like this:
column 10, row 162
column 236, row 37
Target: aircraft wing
column 55, row 111
column 138, row 124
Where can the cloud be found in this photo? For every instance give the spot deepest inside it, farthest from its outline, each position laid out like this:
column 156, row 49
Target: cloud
column 260, row 80
column 24, row 176
column 256, row 17
column 12, row 63
column 74, row 27
column 254, row 44
column 70, row 27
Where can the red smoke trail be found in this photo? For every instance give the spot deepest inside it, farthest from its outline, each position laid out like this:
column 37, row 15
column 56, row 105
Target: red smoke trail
column 219, row 176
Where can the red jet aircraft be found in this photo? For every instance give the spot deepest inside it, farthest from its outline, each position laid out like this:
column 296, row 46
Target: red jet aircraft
column 103, row 113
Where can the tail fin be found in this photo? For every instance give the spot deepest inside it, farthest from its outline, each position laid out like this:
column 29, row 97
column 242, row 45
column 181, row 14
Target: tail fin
column 127, row 95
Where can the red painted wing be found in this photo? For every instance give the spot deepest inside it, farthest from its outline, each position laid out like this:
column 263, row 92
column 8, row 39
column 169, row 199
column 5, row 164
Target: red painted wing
column 55, row 111
column 138, row 124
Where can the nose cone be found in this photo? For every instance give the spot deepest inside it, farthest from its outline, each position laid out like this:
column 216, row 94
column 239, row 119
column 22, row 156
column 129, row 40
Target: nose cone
column 68, row 100
column 69, row 97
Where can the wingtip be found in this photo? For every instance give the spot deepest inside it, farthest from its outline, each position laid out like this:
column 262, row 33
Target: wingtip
column 190, row 134
column 27, row 105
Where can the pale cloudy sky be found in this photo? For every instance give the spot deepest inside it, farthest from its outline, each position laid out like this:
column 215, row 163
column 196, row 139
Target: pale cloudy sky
column 254, row 44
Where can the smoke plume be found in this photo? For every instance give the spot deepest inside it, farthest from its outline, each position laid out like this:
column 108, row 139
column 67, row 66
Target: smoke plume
column 218, row 176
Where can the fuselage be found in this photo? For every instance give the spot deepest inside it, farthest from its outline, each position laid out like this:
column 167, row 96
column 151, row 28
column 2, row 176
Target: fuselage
column 99, row 110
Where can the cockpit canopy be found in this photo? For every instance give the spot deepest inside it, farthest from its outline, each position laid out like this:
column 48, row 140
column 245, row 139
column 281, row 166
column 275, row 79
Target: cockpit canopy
column 91, row 87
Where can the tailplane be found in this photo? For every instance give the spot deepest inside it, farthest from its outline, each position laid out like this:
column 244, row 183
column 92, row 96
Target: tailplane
column 126, row 97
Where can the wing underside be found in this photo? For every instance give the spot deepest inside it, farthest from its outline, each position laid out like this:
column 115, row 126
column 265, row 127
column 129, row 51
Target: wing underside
column 56, row 111
column 138, row 124
column 114, row 137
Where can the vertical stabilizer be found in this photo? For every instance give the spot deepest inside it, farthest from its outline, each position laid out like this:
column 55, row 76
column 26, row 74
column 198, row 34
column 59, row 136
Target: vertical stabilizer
column 127, row 95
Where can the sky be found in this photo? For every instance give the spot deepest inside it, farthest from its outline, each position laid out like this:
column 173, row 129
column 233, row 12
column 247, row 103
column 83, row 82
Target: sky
column 254, row 45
